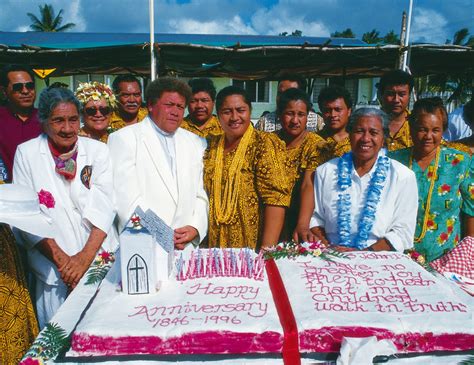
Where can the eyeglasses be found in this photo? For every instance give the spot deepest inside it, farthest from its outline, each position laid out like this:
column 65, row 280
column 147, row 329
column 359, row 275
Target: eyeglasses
column 104, row 110
column 18, row 86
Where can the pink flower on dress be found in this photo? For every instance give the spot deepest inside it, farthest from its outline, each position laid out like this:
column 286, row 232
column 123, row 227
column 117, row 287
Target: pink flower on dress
column 46, row 198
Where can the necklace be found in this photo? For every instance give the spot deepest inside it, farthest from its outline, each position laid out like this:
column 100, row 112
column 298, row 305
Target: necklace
column 367, row 217
column 426, row 215
column 225, row 203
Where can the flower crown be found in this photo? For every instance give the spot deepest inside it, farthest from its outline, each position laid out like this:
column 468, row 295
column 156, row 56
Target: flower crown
column 95, row 91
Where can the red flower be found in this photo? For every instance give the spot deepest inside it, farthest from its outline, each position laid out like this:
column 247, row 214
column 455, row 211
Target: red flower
column 455, row 161
column 446, row 188
column 30, row 361
column 302, row 250
column 443, row 236
column 106, row 257
column 430, row 223
column 46, row 198
column 279, row 248
column 450, row 229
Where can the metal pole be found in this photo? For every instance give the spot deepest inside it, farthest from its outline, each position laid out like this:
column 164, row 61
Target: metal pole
column 152, row 40
column 407, row 39
column 403, row 34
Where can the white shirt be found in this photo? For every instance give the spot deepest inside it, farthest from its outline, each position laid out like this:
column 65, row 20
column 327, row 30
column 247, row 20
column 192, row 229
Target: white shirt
column 395, row 218
column 457, row 127
column 271, row 123
column 168, row 145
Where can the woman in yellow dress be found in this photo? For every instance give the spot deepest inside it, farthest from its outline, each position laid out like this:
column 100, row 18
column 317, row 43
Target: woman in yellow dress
column 303, row 149
column 335, row 103
column 244, row 178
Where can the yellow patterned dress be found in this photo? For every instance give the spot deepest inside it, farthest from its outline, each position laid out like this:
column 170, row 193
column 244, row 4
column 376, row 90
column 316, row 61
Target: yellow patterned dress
column 83, row 133
column 305, row 157
column 263, row 183
column 334, row 148
column 116, row 121
column 212, row 128
column 401, row 139
column 18, row 326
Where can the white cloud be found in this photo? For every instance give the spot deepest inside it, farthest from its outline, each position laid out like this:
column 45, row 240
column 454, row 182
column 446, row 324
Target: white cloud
column 428, row 26
column 73, row 14
column 286, row 17
column 234, row 25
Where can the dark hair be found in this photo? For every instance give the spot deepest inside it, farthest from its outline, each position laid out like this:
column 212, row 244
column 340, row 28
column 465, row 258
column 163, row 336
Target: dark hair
column 14, row 68
column 430, row 106
column 203, row 84
column 51, row 97
column 294, row 78
column 232, row 90
column 156, row 88
column 331, row 93
column 292, row 94
column 395, row 77
column 123, row 78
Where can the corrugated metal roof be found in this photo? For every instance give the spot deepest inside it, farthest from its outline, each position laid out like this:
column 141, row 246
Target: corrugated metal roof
column 67, row 40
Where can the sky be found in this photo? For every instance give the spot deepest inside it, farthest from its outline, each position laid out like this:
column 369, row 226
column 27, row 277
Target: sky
column 434, row 21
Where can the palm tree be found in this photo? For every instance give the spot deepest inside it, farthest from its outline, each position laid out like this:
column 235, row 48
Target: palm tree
column 459, row 82
column 348, row 33
column 372, row 37
column 391, row 38
column 49, row 22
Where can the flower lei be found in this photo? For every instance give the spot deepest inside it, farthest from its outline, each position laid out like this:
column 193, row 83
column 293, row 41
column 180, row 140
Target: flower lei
column 225, row 198
column 367, row 217
column 95, row 91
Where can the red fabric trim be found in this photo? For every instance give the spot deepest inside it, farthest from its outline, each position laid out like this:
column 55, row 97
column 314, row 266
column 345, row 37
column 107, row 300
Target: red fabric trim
column 329, row 339
column 291, row 353
column 210, row 342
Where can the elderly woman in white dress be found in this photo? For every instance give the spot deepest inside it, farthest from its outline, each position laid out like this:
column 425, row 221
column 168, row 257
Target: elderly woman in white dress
column 365, row 200
column 73, row 177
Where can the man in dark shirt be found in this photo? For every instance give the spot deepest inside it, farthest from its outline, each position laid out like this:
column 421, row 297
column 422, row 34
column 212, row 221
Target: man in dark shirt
column 18, row 119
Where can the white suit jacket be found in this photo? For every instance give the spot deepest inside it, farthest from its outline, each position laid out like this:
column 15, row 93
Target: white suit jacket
column 142, row 176
column 76, row 205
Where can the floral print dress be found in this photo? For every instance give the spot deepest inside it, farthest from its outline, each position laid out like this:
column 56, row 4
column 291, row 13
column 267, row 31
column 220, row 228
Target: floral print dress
column 453, row 192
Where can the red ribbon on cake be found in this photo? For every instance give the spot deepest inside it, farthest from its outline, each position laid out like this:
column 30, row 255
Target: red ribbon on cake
column 290, row 352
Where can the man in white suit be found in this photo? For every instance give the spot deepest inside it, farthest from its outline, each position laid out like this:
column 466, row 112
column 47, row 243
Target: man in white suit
column 158, row 165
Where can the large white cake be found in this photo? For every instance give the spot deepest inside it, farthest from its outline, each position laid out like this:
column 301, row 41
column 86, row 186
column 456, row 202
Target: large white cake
column 220, row 314
column 297, row 305
column 385, row 294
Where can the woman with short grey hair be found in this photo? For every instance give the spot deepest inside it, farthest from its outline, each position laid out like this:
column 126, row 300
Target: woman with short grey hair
column 73, row 177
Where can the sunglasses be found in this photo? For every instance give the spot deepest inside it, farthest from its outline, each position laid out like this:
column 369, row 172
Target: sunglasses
column 18, row 86
column 104, row 110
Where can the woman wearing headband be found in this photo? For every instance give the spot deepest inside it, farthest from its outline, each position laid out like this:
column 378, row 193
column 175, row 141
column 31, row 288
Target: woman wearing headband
column 98, row 102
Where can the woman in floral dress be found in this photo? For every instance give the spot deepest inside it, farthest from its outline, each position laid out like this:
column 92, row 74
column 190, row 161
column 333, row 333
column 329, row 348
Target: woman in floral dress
column 444, row 178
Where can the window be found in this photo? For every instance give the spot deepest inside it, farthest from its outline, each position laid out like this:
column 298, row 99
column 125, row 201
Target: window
column 87, row 78
column 258, row 90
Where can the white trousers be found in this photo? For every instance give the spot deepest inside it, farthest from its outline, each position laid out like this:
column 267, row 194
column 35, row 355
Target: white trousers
column 48, row 299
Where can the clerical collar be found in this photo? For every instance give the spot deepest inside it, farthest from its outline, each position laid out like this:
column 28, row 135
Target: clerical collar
column 162, row 132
